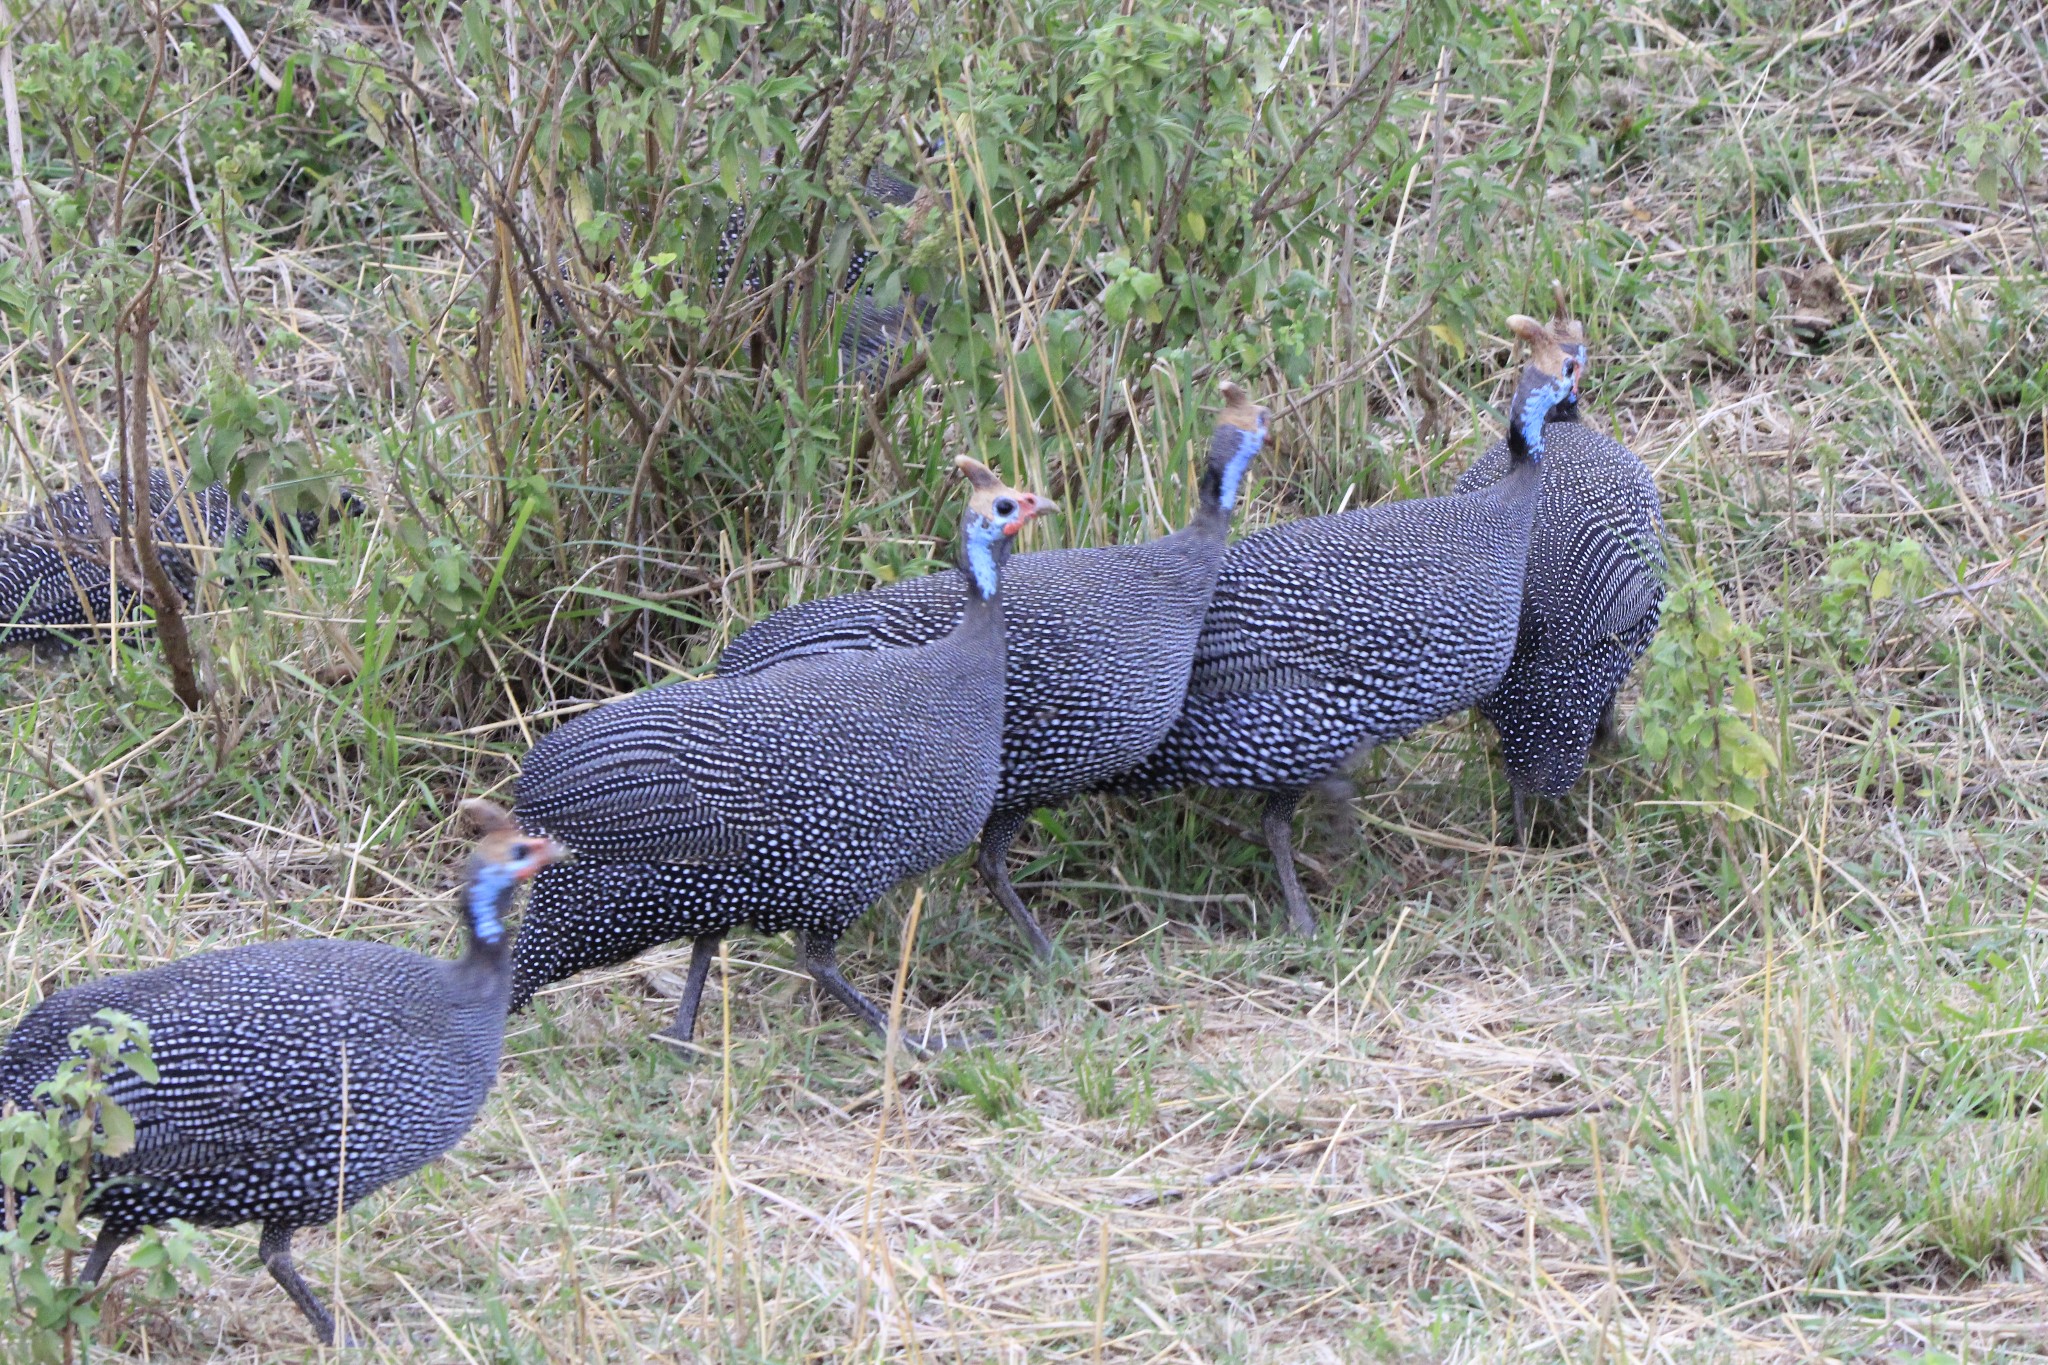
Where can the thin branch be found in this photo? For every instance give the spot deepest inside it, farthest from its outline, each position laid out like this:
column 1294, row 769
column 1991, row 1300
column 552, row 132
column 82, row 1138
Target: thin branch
column 1263, row 205
column 1351, row 372
column 135, row 133
column 907, row 373
column 17, row 155
column 139, row 321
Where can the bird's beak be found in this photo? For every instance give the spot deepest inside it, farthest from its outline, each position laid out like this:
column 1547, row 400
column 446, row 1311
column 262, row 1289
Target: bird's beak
column 1029, row 505
column 548, row 852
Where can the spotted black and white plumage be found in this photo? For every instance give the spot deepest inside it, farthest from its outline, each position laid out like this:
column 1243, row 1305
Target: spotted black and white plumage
column 873, row 336
column 1330, row 635
column 54, row 580
column 1100, row 645
column 788, row 799
column 1590, row 603
column 728, row 251
column 245, row 1120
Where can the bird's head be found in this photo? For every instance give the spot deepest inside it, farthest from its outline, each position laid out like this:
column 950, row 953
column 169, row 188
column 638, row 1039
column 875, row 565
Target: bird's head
column 995, row 513
column 501, row 858
column 1549, row 378
column 1240, row 434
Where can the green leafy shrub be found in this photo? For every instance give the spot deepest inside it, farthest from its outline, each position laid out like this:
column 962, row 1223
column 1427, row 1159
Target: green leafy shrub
column 1700, row 713
column 1863, row 580
column 46, row 1159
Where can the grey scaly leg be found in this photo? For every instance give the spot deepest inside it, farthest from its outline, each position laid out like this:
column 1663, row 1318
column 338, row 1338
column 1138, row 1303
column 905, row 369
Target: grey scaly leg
column 103, row 1249
column 1521, row 819
column 992, row 862
column 703, row 951
column 1279, row 829
column 821, row 960
column 275, row 1247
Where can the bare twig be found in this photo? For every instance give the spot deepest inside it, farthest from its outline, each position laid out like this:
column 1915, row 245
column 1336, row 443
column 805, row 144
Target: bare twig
column 135, row 131
column 32, row 242
column 900, row 378
column 139, row 321
column 17, row 155
column 1358, row 367
column 1263, row 206
column 908, row 371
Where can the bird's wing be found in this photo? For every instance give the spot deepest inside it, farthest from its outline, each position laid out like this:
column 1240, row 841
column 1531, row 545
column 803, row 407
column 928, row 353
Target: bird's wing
column 229, row 1090
column 901, row 615
column 1291, row 610
column 687, row 772
column 194, row 1131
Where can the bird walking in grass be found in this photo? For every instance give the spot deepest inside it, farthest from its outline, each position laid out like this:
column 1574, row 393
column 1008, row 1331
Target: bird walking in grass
column 54, row 578
column 1333, row 634
column 1590, row 602
column 1101, row 641
column 293, row 1078
column 789, row 798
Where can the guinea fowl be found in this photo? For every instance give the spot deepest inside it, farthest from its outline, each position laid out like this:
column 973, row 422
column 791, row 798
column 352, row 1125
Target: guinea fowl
column 1332, row 634
column 876, row 335
column 267, row 1054
column 790, row 798
column 873, row 335
column 1102, row 641
column 1590, row 603
column 53, row 560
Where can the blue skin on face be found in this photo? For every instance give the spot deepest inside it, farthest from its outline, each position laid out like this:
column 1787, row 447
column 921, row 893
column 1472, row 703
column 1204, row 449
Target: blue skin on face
column 1248, row 443
column 982, row 537
column 486, row 889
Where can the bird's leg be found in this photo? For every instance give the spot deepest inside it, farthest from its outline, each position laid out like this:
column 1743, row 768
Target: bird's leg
column 103, row 1249
column 275, row 1247
column 821, row 960
column 1279, row 829
column 703, row 951
column 1522, row 814
column 992, row 862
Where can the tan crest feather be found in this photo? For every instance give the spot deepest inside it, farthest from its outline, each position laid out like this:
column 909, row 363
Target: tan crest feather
column 978, row 474
column 1238, row 409
column 1566, row 327
column 488, row 817
column 1546, row 348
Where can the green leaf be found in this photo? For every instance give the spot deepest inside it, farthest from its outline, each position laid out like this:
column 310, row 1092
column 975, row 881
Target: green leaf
column 119, row 1130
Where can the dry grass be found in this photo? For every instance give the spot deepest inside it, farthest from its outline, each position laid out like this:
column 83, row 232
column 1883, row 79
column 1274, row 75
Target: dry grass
column 1672, row 1084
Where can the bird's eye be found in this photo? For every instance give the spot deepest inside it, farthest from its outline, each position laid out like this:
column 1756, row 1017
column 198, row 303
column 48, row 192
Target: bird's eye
column 1005, row 507
column 521, row 852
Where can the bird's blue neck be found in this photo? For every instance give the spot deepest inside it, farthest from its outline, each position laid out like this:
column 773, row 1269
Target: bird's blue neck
column 1224, row 477
column 1248, row 445
column 985, row 552
column 1525, row 425
column 490, row 888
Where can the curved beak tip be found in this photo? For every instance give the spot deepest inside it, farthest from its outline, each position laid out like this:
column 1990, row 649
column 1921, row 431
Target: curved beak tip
column 549, row 852
column 1037, row 506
